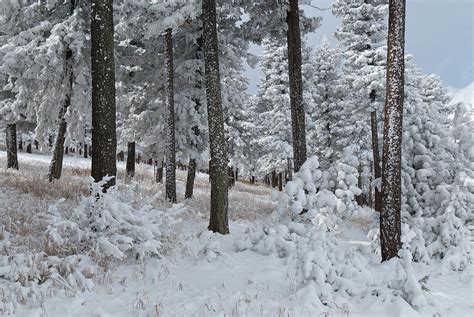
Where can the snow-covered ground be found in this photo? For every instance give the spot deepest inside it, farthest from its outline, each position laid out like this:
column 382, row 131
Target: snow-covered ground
column 197, row 273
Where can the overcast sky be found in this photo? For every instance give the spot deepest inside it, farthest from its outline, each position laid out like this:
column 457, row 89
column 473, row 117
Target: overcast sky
column 439, row 33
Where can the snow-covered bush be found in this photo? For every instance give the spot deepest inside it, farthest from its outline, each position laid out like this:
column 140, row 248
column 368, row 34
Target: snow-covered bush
column 347, row 182
column 111, row 227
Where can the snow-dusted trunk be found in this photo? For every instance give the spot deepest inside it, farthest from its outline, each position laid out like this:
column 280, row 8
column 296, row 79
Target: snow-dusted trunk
column 218, row 166
column 56, row 165
column 170, row 184
column 390, row 227
column 12, row 157
column 296, row 85
column 104, row 139
column 376, row 159
column 130, row 167
column 190, row 179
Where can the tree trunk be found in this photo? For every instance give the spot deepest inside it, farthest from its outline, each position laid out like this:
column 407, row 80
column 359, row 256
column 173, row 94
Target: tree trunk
column 390, row 226
column 218, row 221
column 159, row 173
column 170, row 184
column 376, row 159
column 130, row 167
column 28, row 148
column 56, row 165
column 280, row 181
column 190, row 179
column 12, row 157
column 36, row 145
column 85, row 150
column 20, row 142
column 104, row 139
column 296, row 85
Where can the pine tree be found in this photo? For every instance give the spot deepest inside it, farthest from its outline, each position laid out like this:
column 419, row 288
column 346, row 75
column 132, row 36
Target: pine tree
column 104, row 142
column 170, row 120
column 56, row 165
column 390, row 226
column 296, row 85
column 218, row 165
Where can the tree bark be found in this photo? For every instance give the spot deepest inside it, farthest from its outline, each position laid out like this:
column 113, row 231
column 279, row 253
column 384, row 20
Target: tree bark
column 190, row 179
column 56, row 165
column 170, row 185
column 280, row 181
column 104, row 139
column 159, row 173
column 296, row 85
column 12, row 156
column 85, row 150
column 376, row 159
column 130, row 167
column 390, row 226
column 218, row 221
column 28, row 148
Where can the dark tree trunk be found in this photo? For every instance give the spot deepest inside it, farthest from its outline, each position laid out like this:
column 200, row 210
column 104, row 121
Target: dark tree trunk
column 190, row 179
column 20, row 142
column 236, row 175
column 376, row 159
column 218, row 221
column 390, row 226
column 296, row 85
column 170, row 184
column 280, row 181
column 104, row 139
column 56, row 165
column 28, row 148
column 12, row 157
column 36, row 145
column 85, row 150
column 130, row 167
column 159, row 173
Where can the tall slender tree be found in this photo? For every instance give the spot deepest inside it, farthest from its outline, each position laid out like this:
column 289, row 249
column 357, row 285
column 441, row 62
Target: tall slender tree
column 390, row 226
column 218, row 164
column 170, row 184
column 296, row 85
column 104, row 139
column 56, row 165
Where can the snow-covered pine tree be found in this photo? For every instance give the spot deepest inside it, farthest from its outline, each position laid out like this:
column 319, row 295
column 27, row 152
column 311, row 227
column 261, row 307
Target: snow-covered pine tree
column 274, row 120
column 321, row 75
column 363, row 34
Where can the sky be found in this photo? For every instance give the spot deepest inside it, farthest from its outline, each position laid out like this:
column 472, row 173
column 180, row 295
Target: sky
column 439, row 33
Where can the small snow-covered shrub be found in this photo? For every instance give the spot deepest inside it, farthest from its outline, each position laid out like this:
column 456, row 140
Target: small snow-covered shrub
column 347, row 182
column 111, row 227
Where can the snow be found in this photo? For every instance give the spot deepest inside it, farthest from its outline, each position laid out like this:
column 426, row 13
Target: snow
column 465, row 94
column 265, row 267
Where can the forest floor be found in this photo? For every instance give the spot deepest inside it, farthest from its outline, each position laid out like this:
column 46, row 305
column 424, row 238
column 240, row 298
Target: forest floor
column 201, row 274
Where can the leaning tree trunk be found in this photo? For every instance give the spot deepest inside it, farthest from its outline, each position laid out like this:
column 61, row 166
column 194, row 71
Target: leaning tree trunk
column 190, row 179
column 56, row 165
column 218, row 221
column 104, row 139
column 390, row 226
column 130, row 167
column 12, row 157
column 376, row 159
column 296, row 85
column 170, row 185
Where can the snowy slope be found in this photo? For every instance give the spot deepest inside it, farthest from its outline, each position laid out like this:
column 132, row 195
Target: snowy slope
column 204, row 274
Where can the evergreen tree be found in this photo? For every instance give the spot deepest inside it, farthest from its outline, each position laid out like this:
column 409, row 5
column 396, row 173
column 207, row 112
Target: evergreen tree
column 218, row 165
